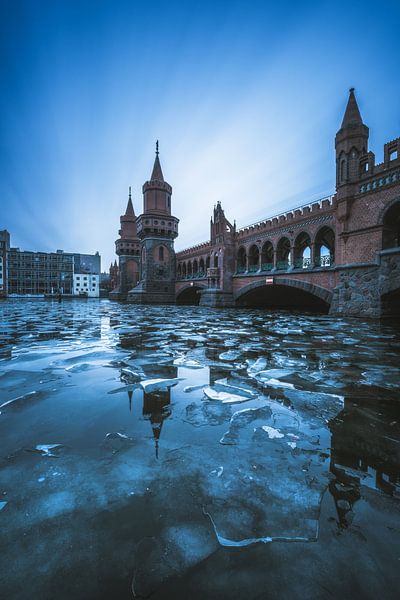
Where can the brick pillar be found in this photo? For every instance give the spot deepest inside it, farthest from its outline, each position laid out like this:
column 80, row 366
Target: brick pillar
column 312, row 254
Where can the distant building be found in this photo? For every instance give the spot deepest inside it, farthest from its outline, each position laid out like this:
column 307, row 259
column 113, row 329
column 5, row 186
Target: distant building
column 113, row 276
column 43, row 273
column 87, row 285
column 39, row 273
column 86, row 279
column 4, row 248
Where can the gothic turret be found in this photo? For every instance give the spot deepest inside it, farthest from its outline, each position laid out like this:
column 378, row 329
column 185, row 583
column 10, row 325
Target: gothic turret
column 351, row 145
column 127, row 247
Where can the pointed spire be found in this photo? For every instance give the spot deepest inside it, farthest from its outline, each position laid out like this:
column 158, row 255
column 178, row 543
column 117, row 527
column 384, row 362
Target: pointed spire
column 352, row 114
column 129, row 209
column 157, row 174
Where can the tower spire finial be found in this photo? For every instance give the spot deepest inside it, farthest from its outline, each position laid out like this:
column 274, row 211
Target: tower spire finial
column 130, row 193
column 352, row 113
column 157, row 148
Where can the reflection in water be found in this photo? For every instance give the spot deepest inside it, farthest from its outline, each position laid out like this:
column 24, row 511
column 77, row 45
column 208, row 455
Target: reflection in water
column 295, row 405
column 365, row 451
column 156, row 409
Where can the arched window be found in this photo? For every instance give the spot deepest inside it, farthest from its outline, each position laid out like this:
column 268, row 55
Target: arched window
column 161, row 253
column 283, row 254
column 267, row 256
column 241, row 260
column 342, row 169
column 215, row 260
column 324, row 247
column 207, row 262
column 254, row 258
column 201, row 267
column 302, row 251
column 195, row 267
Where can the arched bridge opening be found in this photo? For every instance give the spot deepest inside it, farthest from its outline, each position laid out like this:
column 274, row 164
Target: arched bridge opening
column 189, row 295
column 287, row 295
column 390, row 304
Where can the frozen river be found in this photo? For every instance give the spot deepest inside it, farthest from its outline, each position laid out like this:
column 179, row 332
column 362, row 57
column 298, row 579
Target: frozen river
column 183, row 452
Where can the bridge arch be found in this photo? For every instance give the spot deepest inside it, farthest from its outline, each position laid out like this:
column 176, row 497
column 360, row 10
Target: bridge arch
column 190, row 294
column 301, row 294
column 390, row 220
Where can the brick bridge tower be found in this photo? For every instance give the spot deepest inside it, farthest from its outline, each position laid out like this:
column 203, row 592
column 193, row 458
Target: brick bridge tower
column 157, row 229
column 128, row 250
column 222, row 261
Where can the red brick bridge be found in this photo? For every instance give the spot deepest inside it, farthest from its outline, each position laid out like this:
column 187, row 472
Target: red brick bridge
column 339, row 255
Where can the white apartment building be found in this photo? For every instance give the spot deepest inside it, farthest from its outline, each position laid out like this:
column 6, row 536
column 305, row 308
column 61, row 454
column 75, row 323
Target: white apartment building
column 86, row 284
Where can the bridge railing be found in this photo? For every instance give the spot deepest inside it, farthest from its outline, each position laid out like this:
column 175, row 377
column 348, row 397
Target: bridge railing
column 325, row 261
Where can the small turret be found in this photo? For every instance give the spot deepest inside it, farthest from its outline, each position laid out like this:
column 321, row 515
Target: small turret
column 351, row 144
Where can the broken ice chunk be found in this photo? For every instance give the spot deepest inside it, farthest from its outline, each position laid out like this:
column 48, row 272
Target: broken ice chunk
column 192, row 388
column 257, row 366
column 218, row 472
column 224, row 397
column 2, row 504
column 230, row 355
column 131, row 376
column 275, row 383
column 240, row 420
column 274, row 373
column 183, row 361
column 79, row 367
column 20, row 400
column 46, row 449
column 226, row 393
column 272, row 432
column 116, row 441
column 156, row 385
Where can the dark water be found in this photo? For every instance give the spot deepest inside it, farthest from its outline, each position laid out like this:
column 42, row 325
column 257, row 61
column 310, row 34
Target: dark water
column 181, row 452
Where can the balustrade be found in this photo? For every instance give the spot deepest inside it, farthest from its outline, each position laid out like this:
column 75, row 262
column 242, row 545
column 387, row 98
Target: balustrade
column 327, row 260
column 282, row 265
column 267, row 266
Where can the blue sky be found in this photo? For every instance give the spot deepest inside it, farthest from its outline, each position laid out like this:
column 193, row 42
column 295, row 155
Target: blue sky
column 245, row 98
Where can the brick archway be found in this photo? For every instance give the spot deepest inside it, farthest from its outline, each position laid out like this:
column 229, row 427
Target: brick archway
column 315, row 290
column 188, row 290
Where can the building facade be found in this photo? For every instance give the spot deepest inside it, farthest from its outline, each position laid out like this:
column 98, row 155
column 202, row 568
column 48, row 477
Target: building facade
column 4, row 249
column 47, row 273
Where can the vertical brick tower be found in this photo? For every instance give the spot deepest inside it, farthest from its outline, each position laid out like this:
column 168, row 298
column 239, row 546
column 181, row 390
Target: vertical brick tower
column 128, row 249
column 157, row 229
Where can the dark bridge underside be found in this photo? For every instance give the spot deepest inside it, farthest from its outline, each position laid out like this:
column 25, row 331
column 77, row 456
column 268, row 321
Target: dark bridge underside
column 391, row 304
column 282, row 296
column 189, row 295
